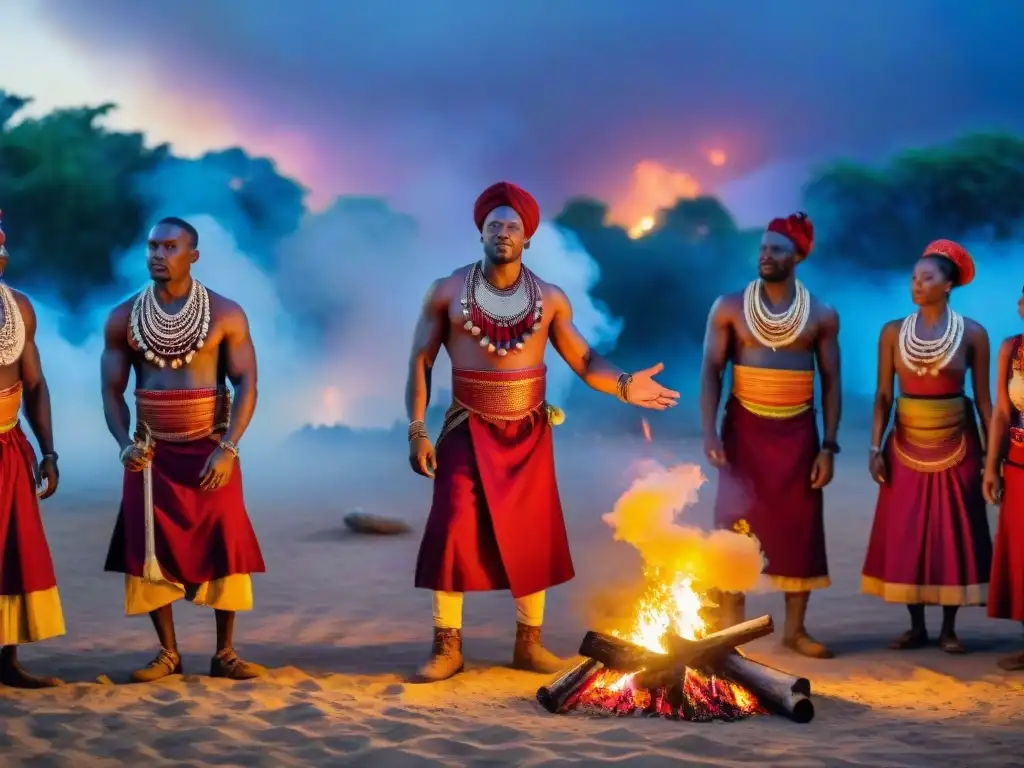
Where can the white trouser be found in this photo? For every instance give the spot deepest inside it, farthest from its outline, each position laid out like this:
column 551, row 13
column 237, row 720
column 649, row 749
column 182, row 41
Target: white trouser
column 448, row 609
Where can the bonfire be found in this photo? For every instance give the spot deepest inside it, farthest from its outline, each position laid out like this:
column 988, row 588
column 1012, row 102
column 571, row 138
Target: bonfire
column 669, row 665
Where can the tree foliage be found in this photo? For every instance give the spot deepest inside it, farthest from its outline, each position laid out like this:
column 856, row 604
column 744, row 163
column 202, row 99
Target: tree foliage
column 75, row 195
column 873, row 216
column 67, row 196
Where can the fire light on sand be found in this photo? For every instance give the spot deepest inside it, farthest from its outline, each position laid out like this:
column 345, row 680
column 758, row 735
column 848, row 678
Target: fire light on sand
column 682, row 565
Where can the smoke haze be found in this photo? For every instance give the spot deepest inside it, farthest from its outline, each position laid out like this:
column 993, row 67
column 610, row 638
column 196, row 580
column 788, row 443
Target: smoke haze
column 647, row 516
column 331, row 310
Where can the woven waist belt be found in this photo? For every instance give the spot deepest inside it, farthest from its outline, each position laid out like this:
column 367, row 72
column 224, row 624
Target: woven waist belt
column 183, row 415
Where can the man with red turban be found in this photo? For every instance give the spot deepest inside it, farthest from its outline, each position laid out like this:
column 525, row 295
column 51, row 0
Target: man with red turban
column 772, row 467
column 496, row 519
column 30, row 608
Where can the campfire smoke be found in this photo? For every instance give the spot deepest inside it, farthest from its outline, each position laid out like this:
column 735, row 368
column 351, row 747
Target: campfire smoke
column 646, row 517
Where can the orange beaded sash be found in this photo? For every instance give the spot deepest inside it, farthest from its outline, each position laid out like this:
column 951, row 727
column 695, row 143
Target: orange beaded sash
column 500, row 395
column 931, row 433
column 10, row 407
column 495, row 395
column 183, row 415
column 773, row 392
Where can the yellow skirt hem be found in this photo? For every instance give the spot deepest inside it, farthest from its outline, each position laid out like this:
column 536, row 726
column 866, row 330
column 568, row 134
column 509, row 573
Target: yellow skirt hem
column 798, row 584
column 31, row 617
column 231, row 593
column 925, row 594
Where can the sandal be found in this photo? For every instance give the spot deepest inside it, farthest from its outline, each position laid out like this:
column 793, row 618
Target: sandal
column 1013, row 663
column 951, row 644
column 910, row 640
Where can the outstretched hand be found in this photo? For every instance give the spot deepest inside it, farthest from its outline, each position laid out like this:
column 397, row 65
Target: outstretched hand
column 645, row 392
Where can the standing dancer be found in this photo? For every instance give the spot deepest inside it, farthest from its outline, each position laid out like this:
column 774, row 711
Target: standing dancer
column 182, row 531
column 496, row 519
column 771, row 465
column 1004, row 485
column 30, row 608
column 930, row 542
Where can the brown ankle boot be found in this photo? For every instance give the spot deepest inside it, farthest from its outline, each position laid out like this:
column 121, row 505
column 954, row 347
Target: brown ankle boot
column 227, row 664
column 530, row 655
column 165, row 664
column 445, row 657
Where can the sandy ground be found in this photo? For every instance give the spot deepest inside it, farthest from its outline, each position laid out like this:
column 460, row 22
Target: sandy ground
column 340, row 626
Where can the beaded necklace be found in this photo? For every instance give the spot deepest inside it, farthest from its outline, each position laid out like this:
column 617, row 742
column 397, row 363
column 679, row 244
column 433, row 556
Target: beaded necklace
column 503, row 318
column 162, row 336
column 772, row 329
column 930, row 356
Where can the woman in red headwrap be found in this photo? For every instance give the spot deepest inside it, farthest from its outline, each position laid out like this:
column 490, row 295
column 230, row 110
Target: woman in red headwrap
column 1004, row 485
column 930, row 542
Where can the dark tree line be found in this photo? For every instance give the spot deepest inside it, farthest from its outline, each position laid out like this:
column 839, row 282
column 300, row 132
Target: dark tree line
column 75, row 195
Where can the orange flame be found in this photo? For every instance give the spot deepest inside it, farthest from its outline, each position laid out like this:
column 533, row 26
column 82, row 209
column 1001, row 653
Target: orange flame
column 680, row 563
column 717, row 157
column 653, row 187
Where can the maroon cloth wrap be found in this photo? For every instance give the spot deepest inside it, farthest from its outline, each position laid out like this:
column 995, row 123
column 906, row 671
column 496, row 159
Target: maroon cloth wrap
column 25, row 563
column 1006, row 592
column 930, row 541
column 516, row 198
column 798, row 229
column 201, row 535
column 496, row 519
column 767, row 482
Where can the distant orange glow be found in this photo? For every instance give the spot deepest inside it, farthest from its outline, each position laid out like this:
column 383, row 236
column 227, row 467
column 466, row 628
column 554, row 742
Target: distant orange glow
column 652, row 187
column 717, row 157
column 642, row 227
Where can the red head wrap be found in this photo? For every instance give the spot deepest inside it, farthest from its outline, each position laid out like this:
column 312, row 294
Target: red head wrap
column 516, row 198
column 3, row 237
column 956, row 253
column 797, row 228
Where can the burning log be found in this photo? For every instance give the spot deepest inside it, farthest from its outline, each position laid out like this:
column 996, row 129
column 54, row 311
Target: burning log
column 660, row 670
column 560, row 696
column 779, row 691
column 616, row 654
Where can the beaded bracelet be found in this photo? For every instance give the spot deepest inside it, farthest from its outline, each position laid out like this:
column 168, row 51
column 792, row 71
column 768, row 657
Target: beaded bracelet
column 622, row 386
column 417, row 430
column 230, row 447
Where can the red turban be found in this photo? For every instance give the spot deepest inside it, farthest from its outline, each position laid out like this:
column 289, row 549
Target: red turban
column 3, row 237
column 956, row 253
column 797, row 228
column 516, row 198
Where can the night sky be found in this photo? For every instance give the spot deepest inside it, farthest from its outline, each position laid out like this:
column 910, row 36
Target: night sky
column 564, row 96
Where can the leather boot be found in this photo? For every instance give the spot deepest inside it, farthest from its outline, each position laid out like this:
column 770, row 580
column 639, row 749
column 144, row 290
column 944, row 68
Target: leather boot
column 796, row 637
column 530, row 655
column 445, row 657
